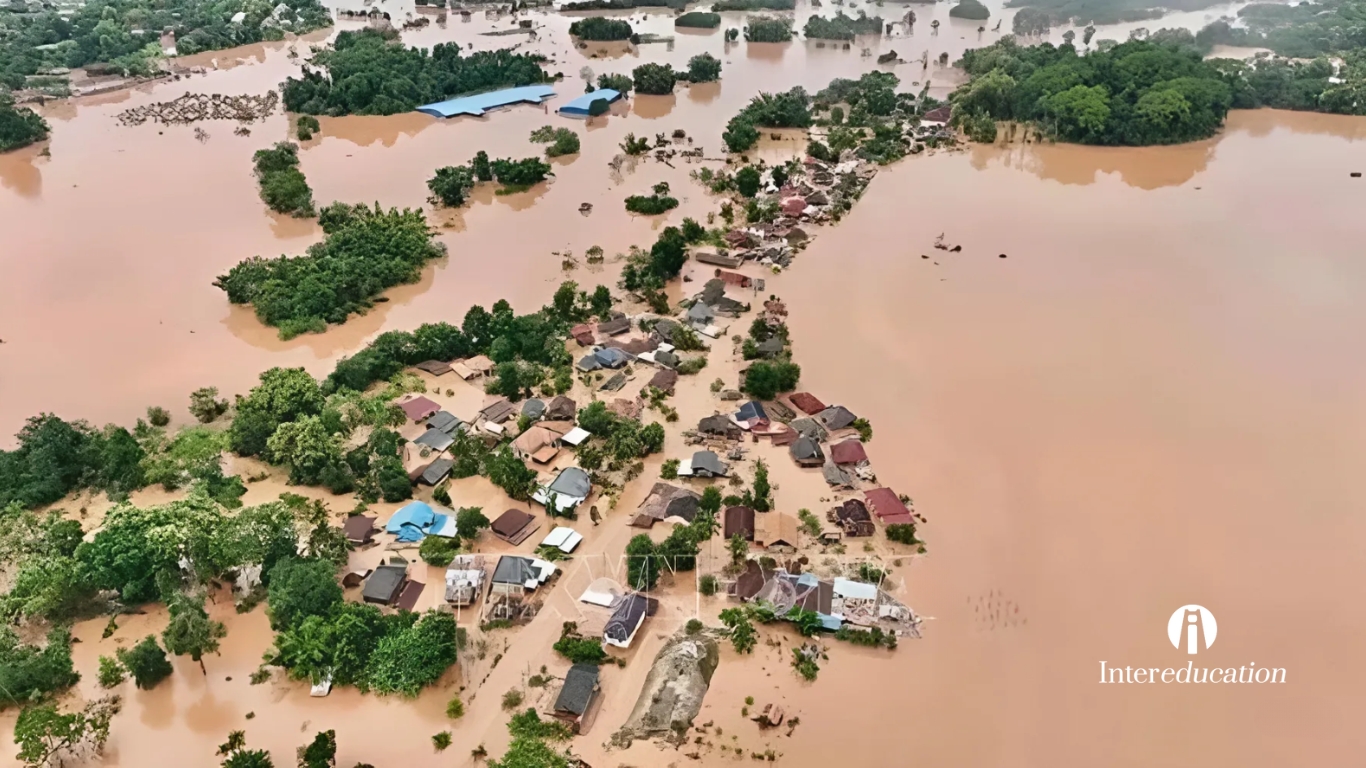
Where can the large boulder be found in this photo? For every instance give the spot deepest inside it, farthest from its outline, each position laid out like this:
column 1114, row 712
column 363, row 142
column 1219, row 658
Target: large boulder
column 673, row 690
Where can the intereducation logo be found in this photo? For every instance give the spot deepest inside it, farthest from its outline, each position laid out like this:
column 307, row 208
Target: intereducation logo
column 1191, row 628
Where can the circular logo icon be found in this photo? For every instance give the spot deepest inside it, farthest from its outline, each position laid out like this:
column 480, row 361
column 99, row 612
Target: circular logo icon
column 1192, row 626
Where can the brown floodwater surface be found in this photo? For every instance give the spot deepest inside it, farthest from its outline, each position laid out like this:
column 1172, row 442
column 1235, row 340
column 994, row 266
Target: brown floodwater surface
column 1154, row 400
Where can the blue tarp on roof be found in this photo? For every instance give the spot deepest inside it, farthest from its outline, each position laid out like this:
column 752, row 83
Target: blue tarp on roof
column 412, row 521
column 477, row 104
column 579, row 106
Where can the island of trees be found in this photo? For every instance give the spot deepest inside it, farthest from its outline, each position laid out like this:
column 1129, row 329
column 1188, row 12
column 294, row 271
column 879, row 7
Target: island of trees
column 283, row 186
column 1082, row 12
column 754, row 5
column 341, row 81
column 791, row 109
column 366, row 251
column 842, row 26
column 698, row 20
column 970, row 9
column 19, row 126
column 601, row 28
column 768, row 29
column 1135, row 93
column 653, row 204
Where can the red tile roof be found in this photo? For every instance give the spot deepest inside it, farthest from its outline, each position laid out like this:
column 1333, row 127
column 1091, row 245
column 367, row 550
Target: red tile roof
column 419, row 408
column 887, row 505
column 807, row 403
column 848, row 452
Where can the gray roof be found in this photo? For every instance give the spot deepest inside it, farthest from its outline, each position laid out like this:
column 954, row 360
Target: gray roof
column 513, row 569
column 589, row 363
column 667, row 358
column 572, row 481
column 437, row 471
column 560, row 407
column 770, row 346
column 628, row 614
column 664, row 328
column 700, row 313
column 611, row 357
column 713, row 291
column 836, row 476
column 805, row 448
column 809, row 428
column 708, row 461
column 436, row 439
column 579, row 687
column 445, row 421
column 751, row 410
column 836, row 417
column 717, row 425
column 615, row 326
column 533, row 408
column 615, row 383
column 383, row 585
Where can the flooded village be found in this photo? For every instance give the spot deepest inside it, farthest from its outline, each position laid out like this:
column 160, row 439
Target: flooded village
column 842, row 488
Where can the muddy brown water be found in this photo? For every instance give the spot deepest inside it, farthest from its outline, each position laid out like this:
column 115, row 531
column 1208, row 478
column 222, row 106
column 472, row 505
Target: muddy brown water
column 1153, row 401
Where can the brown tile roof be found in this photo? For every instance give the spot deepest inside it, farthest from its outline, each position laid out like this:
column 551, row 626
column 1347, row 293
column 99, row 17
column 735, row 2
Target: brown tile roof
column 775, row 528
column 664, row 380
column 887, row 505
column 419, row 408
column 739, row 520
column 514, row 526
column 807, row 403
column 848, row 452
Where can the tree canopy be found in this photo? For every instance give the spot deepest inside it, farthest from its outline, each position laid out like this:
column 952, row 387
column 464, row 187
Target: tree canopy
column 601, row 28
column 768, row 29
column 283, row 186
column 365, row 251
column 698, row 20
column 842, row 26
column 790, row 109
column 369, row 72
column 1135, row 93
column 654, row 79
column 19, row 126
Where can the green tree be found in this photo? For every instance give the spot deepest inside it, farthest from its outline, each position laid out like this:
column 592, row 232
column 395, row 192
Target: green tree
column 738, row 548
column 29, row 672
column 321, row 752
column 511, row 474
column 600, row 28
column 236, row 755
column 747, row 180
column 1080, row 113
column 19, row 126
column 407, row 661
column 469, row 521
column 765, row 379
column 620, row 83
column 483, row 171
column 283, row 186
column 654, row 79
column 306, row 447
column 146, row 662
column 741, row 631
column 642, row 563
column 205, row 405
column 299, row 588
column 190, row 631
column 111, row 672
column 438, row 550
column 704, row 67
column 46, row 736
column 450, row 185
column 284, row 394
column 740, row 135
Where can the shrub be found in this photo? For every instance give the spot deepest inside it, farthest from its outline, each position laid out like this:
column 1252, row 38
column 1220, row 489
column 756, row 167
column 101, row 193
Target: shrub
column 283, row 187
column 512, row 699
column 902, row 533
column 598, row 107
column 707, row 585
column 159, row 416
column 651, row 205
column 620, row 83
column 693, row 626
column 146, row 662
column 450, row 185
column 669, row 470
column 306, row 127
column 205, row 405
column 579, row 649
column 438, row 550
column 441, row 741
column 562, row 141
column 704, row 68
column 765, row 379
column 768, row 29
column 111, row 672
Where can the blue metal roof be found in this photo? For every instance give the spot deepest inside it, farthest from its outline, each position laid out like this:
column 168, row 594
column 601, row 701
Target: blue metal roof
column 477, row 104
column 580, row 105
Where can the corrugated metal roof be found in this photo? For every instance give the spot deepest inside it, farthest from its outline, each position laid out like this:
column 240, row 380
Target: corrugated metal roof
column 580, row 105
column 479, row 103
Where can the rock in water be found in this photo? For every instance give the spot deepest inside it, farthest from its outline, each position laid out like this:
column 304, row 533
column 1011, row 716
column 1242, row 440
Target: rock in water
column 673, row 690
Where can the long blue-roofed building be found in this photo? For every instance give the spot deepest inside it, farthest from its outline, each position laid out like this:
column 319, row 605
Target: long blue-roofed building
column 579, row 107
column 480, row 103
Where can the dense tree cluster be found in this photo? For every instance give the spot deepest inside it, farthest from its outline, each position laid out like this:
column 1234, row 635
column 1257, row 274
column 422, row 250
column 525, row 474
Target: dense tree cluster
column 19, row 126
column 1135, row 93
column 531, row 743
column 652, row 205
column 698, row 20
column 704, row 68
column 123, row 33
column 1082, row 12
column 320, row 635
column 562, row 141
column 663, row 262
column 768, row 29
column 970, row 9
column 765, row 380
column 617, row 441
column 620, row 83
column 366, row 251
column 622, row 5
column 1295, row 84
column 754, row 5
column 370, row 72
column 791, row 109
column 842, row 26
column 283, row 186
column 601, row 28
column 1296, row 30
column 451, row 185
column 31, row 672
column 654, row 79
column 55, row 457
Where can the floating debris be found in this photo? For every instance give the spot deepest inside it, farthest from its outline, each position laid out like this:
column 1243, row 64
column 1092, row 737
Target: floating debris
column 194, row 107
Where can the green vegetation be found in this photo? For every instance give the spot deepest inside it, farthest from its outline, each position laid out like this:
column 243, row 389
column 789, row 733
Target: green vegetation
column 190, row 631
column 622, row 5
column 708, row 585
column 765, row 379
column 47, row 737
column 620, row 83
column 902, row 533
column 654, row 79
column 747, row 181
column 633, row 146
column 662, row 263
column 306, row 126
column 123, row 35
column 704, row 68
column 321, row 752
column 874, row 638
column 283, row 186
column 1082, row 12
column 366, row 251
column 653, row 204
column 111, row 672
column 768, row 29
column 804, row 661
column 842, row 27
column 55, row 457
column 206, row 406
column 236, row 755
column 1299, row 31
column 601, row 28
column 741, row 631
column 531, row 743
column 698, row 20
column 516, row 175
column 970, row 9
column 146, row 662
column 577, row 648
column 562, row 141
column 455, row 708
column 31, row 673
column 450, row 185
column 754, row 5
column 19, row 126
column 438, row 550
column 441, row 741
column 343, row 81
column 791, row 109
column 1136, row 93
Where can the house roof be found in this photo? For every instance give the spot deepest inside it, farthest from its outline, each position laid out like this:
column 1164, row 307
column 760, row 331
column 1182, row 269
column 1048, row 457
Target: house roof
column 384, row 584
column 739, row 520
column 588, row 362
column 533, row 408
column 636, row 347
column 534, row 439
column 848, row 452
column 513, row 525
column 709, row 462
column 434, row 367
column 514, row 569
column 666, row 357
column 770, row 346
column 808, row 427
column 560, row 407
column 664, row 380
column 572, row 481
column 481, row 102
column 498, row 410
column 419, row 408
column 717, row 425
column 853, row 511
column 580, row 686
column 699, row 312
column 665, row 500
column 939, row 114
column 836, row 417
column 775, row 528
column 627, row 617
column 751, row 410
column 611, row 357
column 615, row 327
column 664, row 328
column 436, row 439
column 562, row 538
column 437, row 471
column 582, row 104
column 887, row 505
column 359, row 528
column 749, row 583
column 837, row 477
column 806, row 449
column 576, row 436
column 445, row 421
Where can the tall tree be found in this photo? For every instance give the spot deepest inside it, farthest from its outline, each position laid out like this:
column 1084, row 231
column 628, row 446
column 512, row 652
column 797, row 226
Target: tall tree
column 190, row 631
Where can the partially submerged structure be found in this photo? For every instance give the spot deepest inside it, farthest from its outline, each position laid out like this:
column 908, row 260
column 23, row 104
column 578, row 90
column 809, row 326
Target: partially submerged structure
column 806, row 403
column 478, row 104
column 776, row 532
column 852, row 518
column 836, row 417
column 888, row 506
column 848, row 452
column 665, row 501
column 516, row 575
column 563, row 538
column 465, row 580
column 419, row 408
column 581, row 106
column 514, row 526
column 751, row 416
column 738, row 521
column 719, row 425
column 627, row 619
column 570, row 488
column 807, row 452
column 417, row 519
column 385, row 584
column 577, row 703
column 703, row 464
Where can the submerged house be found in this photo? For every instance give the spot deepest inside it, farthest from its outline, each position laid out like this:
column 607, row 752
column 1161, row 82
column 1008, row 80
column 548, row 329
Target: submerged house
column 852, row 518
column 576, row 705
column 751, row 416
column 703, row 464
column 582, row 106
column 848, row 452
column 836, row 417
column 385, row 584
column 465, row 580
column 516, row 575
column 560, row 408
column 806, row 403
column 569, row 489
column 419, row 408
column 738, row 521
column 514, row 526
column 665, row 501
column 719, row 425
column 776, row 532
column 888, row 506
column 807, row 452
column 626, row 621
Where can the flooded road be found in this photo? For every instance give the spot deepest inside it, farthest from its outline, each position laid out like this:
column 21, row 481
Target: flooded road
column 1155, row 400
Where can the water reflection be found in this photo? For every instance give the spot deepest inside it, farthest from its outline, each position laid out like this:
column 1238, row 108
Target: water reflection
column 19, row 170
column 653, row 107
column 704, row 93
column 1141, row 167
column 385, row 130
column 766, row 51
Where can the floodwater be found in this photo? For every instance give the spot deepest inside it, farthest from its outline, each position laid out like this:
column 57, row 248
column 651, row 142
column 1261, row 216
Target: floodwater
column 1153, row 401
